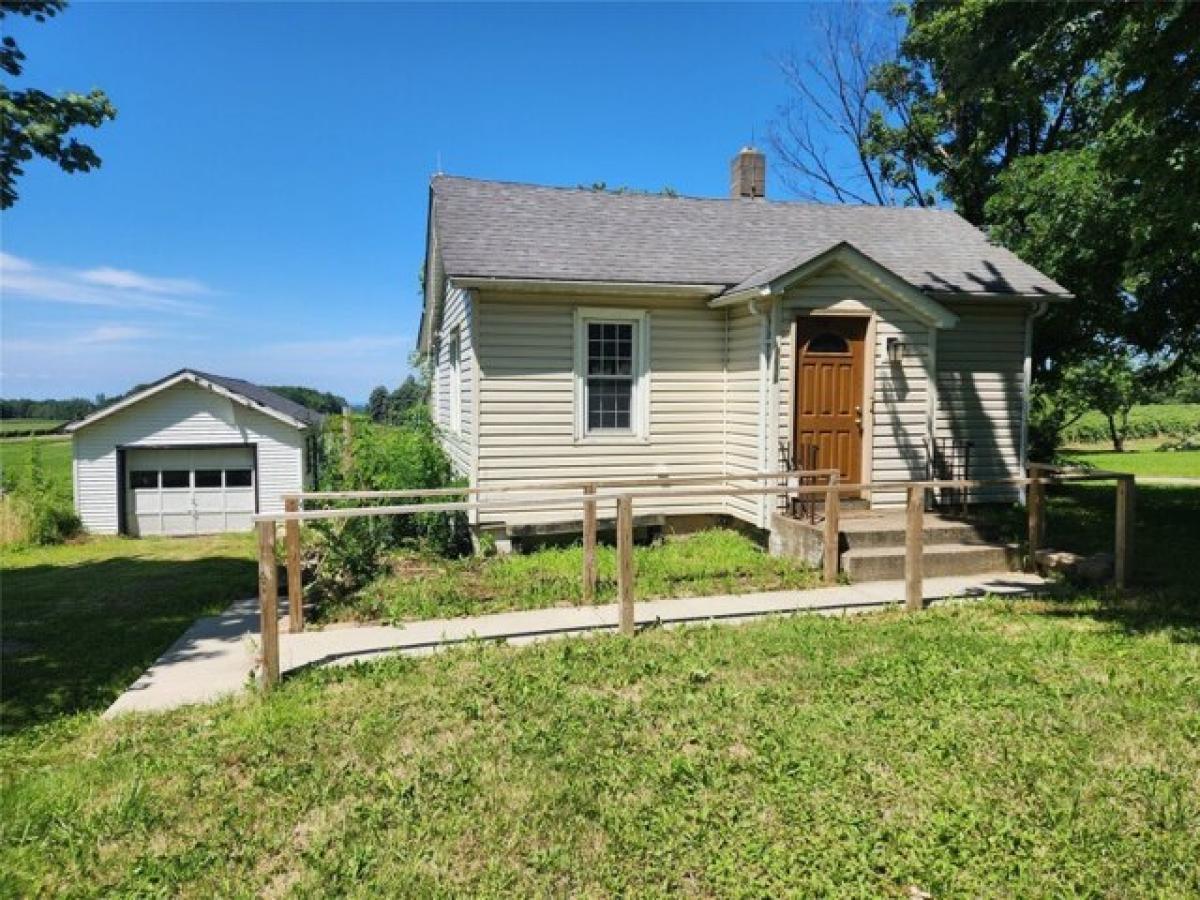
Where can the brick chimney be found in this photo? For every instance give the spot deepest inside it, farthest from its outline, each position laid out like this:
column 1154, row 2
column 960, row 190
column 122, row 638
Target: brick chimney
column 748, row 174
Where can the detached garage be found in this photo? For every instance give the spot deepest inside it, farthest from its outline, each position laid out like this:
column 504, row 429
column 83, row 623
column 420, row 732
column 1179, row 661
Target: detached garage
column 192, row 453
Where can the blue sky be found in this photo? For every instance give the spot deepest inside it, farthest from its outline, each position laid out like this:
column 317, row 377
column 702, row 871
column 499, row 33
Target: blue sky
column 261, row 207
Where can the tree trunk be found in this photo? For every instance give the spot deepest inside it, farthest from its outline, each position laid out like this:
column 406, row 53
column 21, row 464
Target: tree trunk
column 1118, row 437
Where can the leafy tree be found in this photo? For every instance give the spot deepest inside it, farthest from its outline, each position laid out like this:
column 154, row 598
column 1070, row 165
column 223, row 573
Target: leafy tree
column 1109, row 384
column 318, row 401
column 409, row 395
column 21, row 408
column 1070, row 131
column 377, row 404
column 33, row 122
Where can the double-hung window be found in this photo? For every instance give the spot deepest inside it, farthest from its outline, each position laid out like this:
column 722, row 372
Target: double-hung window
column 610, row 374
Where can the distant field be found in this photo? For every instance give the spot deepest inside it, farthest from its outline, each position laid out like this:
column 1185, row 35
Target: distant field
column 1139, row 461
column 1152, row 420
column 15, row 427
column 56, row 457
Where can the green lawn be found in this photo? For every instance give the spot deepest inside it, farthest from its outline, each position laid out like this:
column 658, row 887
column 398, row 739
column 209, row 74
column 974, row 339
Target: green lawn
column 1016, row 749
column 1025, row 749
column 710, row 562
column 56, row 457
column 1141, row 460
column 83, row 620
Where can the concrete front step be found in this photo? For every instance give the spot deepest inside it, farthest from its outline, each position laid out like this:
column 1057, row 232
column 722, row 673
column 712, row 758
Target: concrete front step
column 887, row 563
column 889, row 531
column 939, row 533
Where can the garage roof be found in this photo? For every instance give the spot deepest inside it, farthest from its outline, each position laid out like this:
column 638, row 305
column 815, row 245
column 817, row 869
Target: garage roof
column 248, row 394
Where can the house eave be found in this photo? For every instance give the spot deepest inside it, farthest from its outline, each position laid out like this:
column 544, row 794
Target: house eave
column 584, row 288
column 1001, row 297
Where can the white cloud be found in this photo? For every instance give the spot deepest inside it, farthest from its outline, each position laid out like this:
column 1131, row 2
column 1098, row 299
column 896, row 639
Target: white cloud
column 123, row 279
column 10, row 263
column 104, row 287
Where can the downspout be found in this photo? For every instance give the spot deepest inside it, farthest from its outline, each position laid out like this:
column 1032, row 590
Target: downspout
column 1037, row 312
column 764, row 362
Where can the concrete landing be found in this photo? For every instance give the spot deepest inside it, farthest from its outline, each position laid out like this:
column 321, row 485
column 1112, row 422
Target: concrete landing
column 215, row 657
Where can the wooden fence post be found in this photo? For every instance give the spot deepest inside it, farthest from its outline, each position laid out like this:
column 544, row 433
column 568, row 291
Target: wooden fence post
column 268, row 604
column 1123, row 549
column 625, row 562
column 1035, row 503
column 913, row 551
column 589, row 545
column 295, row 590
column 832, row 529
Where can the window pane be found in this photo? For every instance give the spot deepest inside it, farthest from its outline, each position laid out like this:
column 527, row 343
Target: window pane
column 610, row 348
column 828, row 343
column 208, row 478
column 610, row 401
column 176, row 478
column 237, row 478
column 143, row 479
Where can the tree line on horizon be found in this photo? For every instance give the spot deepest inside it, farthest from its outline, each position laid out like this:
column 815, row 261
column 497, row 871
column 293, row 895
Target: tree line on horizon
column 72, row 408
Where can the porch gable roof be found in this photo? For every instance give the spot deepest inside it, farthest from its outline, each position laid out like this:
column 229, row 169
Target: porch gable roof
column 774, row 280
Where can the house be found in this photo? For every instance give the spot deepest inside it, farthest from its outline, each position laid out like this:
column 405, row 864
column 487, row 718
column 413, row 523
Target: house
column 585, row 334
column 191, row 453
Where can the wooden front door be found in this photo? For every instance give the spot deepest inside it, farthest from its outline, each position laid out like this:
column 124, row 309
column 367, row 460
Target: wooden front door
column 829, row 394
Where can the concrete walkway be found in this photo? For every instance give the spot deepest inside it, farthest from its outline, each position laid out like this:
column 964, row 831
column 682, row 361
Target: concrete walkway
column 215, row 657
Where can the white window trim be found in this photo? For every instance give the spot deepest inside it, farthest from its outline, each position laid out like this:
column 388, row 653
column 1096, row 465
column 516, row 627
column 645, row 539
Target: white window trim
column 454, row 364
column 640, row 404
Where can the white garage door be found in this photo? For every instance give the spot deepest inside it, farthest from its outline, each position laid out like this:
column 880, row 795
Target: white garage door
column 189, row 490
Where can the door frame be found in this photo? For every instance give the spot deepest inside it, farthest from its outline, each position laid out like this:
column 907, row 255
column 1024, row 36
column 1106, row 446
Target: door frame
column 867, row 440
column 122, row 487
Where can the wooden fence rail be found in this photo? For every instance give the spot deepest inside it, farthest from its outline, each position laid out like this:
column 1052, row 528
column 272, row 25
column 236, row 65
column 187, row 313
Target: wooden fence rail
column 589, row 495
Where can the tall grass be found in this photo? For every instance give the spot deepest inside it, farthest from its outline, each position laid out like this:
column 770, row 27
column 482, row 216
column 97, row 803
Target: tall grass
column 426, row 586
column 34, row 509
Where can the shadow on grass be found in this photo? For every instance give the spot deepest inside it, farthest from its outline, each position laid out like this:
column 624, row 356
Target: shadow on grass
column 77, row 634
column 1163, row 594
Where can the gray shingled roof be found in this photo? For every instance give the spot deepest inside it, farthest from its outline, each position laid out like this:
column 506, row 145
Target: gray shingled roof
column 496, row 229
column 261, row 396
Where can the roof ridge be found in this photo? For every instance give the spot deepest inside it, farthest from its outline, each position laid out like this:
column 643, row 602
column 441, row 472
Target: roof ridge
column 760, row 202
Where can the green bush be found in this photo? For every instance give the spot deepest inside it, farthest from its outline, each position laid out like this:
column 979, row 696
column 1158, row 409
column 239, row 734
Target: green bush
column 351, row 552
column 1157, row 420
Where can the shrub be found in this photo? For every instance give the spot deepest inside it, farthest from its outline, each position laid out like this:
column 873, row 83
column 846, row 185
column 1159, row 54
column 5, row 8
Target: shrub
column 350, row 552
column 1191, row 442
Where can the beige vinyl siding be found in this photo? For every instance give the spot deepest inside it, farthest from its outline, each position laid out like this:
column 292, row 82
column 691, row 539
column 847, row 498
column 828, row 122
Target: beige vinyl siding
column 457, row 319
column 901, row 407
column 981, row 388
column 184, row 414
column 527, row 398
column 743, row 430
